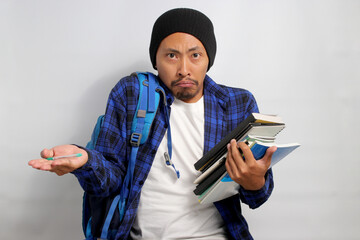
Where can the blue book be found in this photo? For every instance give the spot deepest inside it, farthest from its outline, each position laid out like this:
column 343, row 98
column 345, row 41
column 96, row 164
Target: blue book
column 259, row 148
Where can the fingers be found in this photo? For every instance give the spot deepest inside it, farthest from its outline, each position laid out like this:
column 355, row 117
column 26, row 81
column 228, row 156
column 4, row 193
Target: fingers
column 243, row 168
column 248, row 155
column 60, row 167
column 240, row 155
column 234, row 160
column 41, row 164
column 229, row 163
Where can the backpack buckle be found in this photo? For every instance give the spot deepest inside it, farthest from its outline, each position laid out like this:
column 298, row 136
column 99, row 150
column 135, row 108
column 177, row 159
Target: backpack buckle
column 135, row 139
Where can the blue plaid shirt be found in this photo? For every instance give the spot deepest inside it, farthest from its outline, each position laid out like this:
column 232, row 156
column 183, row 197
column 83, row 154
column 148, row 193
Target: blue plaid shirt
column 103, row 174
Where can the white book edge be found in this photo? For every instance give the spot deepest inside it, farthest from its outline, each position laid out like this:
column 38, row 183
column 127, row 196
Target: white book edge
column 220, row 190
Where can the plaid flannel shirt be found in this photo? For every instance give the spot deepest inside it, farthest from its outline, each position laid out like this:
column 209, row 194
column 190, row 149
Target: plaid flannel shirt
column 102, row 175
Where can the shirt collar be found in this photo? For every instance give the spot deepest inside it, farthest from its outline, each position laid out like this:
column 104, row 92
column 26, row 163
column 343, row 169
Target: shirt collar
column 212, row 88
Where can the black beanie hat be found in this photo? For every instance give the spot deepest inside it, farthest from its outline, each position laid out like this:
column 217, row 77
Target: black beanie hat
column 187, row 21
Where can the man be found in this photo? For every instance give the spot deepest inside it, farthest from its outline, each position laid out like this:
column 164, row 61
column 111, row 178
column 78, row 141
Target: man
column 161, row 206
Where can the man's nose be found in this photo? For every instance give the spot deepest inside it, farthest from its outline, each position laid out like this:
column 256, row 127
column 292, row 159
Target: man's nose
column 183, row 68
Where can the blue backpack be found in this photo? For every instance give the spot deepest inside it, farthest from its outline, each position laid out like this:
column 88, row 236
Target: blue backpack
column 106, row 213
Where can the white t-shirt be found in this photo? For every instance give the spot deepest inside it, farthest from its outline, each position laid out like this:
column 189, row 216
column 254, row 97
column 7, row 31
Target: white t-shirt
column 168, row 208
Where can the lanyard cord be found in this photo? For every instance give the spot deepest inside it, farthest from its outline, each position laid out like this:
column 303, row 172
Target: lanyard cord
column 167, row 155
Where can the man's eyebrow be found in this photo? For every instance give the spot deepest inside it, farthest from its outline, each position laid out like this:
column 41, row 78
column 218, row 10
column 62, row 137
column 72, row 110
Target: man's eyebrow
column 172, row 50
column 177, row 51
column 193, row 49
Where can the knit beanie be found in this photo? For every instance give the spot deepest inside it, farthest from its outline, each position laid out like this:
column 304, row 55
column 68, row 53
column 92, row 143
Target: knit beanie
column 183, row 20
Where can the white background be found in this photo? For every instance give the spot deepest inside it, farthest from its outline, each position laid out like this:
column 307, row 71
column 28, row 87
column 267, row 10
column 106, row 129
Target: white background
column 301, row 60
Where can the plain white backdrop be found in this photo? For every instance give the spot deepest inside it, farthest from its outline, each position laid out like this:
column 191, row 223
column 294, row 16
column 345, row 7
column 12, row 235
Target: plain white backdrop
column 301, row 60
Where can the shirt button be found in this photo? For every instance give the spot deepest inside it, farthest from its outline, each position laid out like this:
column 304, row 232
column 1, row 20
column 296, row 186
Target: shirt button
column 141, row 182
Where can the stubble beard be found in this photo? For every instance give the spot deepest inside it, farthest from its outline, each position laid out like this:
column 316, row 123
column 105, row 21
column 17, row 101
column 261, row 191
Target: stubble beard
column 185, row 93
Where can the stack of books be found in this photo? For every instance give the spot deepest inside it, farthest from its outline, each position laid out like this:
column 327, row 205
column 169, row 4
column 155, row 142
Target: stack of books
column 259, row 132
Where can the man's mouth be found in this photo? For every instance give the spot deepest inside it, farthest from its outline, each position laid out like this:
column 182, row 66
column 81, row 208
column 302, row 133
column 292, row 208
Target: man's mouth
column 185, row 83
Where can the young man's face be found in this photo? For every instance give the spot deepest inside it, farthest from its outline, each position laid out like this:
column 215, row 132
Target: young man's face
column 182, row 62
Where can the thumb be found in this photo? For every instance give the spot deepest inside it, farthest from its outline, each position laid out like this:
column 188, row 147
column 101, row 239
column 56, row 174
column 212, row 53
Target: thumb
column 47, row 153
column 268, row 155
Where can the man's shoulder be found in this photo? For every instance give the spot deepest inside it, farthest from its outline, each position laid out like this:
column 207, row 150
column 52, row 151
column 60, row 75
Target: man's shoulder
column 127, row 86
column 235, row 91
column 126, row 82
column 227, row 93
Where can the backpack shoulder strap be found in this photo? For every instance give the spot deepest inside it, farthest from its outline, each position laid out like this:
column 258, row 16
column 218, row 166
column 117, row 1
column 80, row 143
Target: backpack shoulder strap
column 149, row 98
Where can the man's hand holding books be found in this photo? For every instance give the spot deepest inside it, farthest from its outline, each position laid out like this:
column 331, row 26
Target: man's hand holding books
column 243, row 168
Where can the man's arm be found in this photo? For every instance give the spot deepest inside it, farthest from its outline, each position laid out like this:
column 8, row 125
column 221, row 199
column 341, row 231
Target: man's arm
column 99, row 171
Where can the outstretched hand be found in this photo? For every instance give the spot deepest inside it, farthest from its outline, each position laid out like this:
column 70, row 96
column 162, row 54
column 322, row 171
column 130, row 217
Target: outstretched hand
column 63, row 165
column 248, row 172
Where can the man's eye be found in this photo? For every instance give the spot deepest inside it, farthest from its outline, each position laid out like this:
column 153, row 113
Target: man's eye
column 171, row 55
column 196, row 55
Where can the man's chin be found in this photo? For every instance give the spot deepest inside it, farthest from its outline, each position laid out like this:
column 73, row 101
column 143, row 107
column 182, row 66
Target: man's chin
column 185, row 95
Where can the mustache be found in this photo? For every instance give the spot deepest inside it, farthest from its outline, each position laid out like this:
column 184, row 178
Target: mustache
column 173, row 83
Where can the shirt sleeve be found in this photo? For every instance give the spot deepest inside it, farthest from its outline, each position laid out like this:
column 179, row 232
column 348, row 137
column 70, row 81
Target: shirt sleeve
column 106, row 166
column 255, row 199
